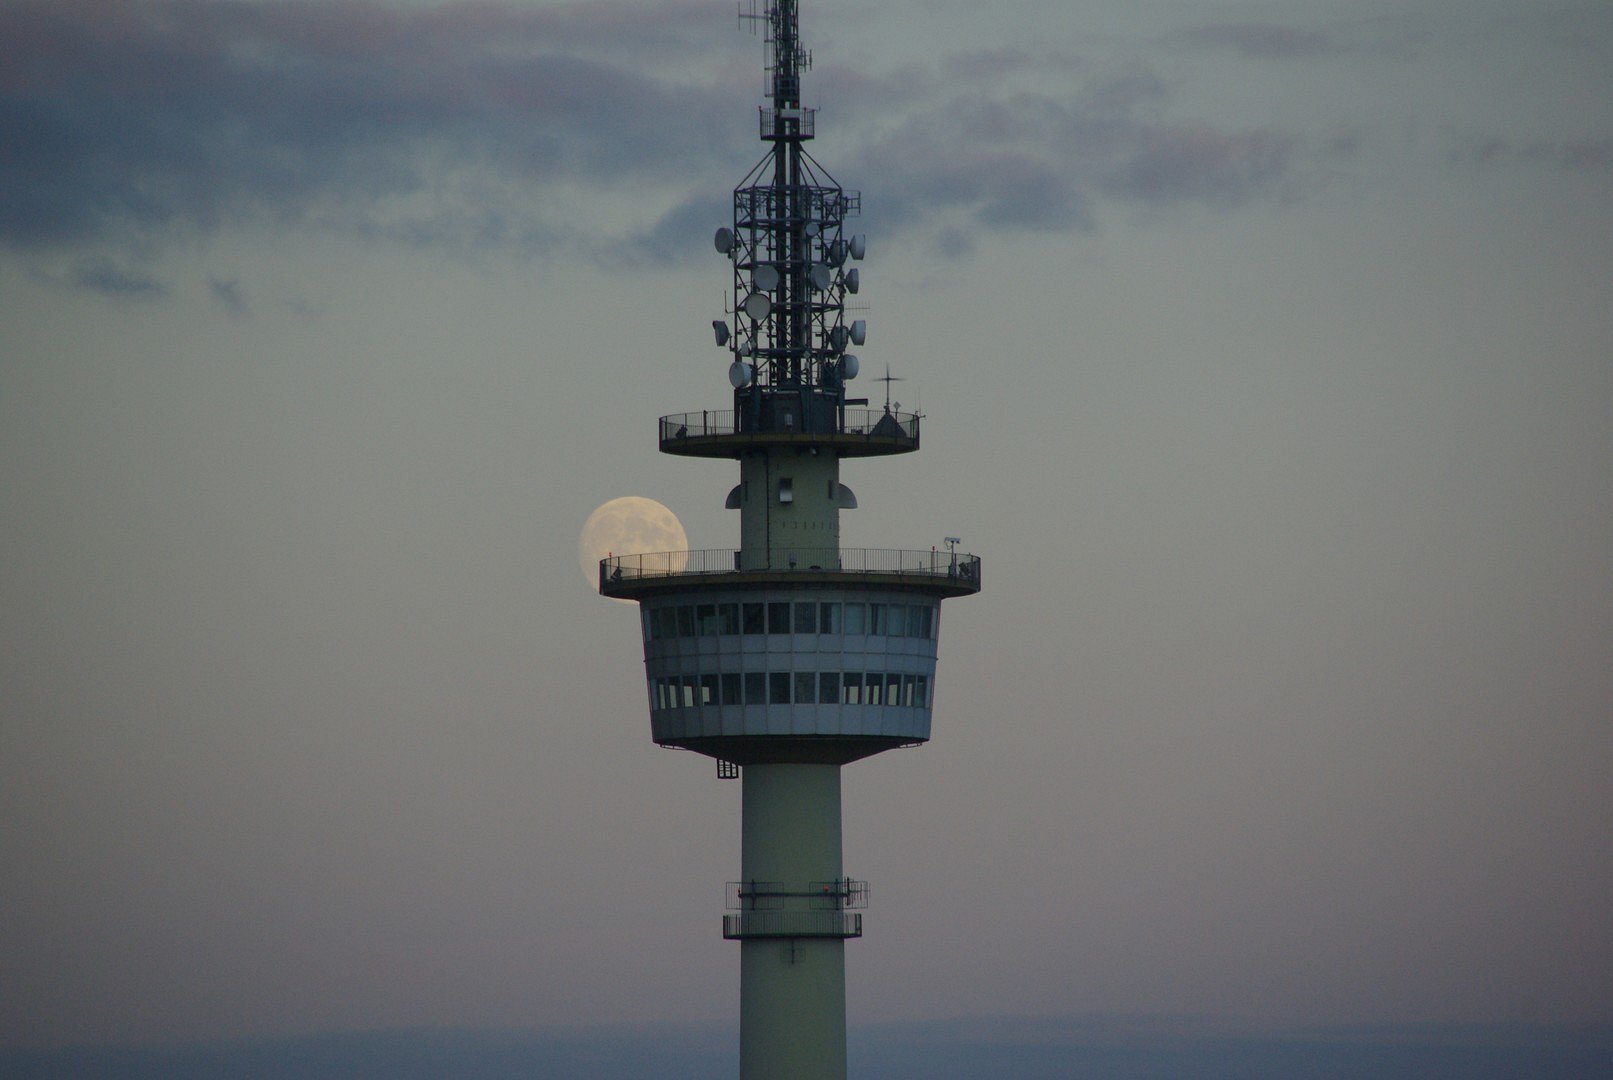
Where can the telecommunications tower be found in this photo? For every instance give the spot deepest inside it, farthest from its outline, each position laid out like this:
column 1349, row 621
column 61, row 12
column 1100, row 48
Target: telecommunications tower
column 792, row 656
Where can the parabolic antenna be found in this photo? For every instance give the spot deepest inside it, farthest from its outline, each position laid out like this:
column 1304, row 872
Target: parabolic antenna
column 757, row 305
column 853, row 281
column 836, row 253
column 859, row 332
column 849, row 366
column 821, row 276
column 738, row 374
column 765, row 277
column 837, row 339
column 724, row 240
column 859, row 246
column 720, row 328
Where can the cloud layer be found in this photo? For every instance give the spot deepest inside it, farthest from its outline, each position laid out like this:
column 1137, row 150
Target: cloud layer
column 488, row 125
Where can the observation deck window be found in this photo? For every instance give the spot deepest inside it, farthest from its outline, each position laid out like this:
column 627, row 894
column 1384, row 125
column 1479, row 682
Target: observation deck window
column 705, row 617
column 755, row 687
column 806, row 618
column 778, row 618
column 778, row 688
column 731, row 689
column 851, row 688
column 829, row 687
column 753, row 618
column 806, row 688
column 829, row 618
column 856, row 618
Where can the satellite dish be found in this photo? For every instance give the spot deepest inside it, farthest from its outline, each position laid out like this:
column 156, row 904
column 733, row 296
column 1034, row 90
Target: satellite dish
column 859, row 332
column 721, row 330
column 738, row 374
column 849, row 366
column 821, row 276
column 757, row 305
column 724, row 240
column 837, row 253
column 837, row 339
column 859, row 246
column 810, row 229
column 765, row 277
column 853, row 281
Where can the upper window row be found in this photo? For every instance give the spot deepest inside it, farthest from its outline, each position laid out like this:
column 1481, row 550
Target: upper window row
column 784, row 617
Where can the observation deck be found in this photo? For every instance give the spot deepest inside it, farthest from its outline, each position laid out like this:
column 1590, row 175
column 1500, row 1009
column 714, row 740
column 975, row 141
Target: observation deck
column 934, row 572
column 727, row 433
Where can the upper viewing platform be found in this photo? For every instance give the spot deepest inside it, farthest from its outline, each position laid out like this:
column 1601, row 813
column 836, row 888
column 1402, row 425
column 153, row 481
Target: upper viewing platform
column 938, row 572
column 726, row 433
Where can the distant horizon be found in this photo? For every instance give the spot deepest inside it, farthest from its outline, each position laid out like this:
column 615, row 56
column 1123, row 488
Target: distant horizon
column 1112, row 1047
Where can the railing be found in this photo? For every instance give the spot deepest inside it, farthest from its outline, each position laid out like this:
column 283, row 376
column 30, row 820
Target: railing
column 829, row 924
column 862, row 423
column 774, row 121
column 933, row 565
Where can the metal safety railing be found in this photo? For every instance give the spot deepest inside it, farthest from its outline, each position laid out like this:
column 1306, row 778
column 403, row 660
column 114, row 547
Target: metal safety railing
column 785, row 924
column 858, row 423
column 935, row 565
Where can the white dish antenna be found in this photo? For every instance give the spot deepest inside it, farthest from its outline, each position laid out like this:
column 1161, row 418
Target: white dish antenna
column 849, row 366
column 765, row 277
column 724, row 240
column 837, row 339
column 739, row 374
column 859, row 246
column 853, row 281
column 821, row 276
column 859, row 332
column 837, row 253
column 757, row 305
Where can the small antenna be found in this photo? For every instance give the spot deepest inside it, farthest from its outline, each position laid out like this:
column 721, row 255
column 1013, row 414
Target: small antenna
column 887, row 379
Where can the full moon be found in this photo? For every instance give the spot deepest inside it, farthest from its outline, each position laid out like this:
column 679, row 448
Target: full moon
column 631, row 525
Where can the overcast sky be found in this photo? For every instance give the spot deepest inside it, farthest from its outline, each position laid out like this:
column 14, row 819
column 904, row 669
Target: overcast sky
column 1265, row 355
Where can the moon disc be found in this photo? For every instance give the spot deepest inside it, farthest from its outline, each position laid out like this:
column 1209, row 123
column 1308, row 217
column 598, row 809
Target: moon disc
column 632, row 525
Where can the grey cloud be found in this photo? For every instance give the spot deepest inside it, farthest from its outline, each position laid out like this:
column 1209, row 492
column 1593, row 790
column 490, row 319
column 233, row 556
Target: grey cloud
column 1569, row 155
column 463, row 126
column 1264, row 40
column 226, row 292
column 104, row 277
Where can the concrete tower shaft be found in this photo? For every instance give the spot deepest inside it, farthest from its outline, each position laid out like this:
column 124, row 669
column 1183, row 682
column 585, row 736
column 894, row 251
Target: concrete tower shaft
column 791, row 656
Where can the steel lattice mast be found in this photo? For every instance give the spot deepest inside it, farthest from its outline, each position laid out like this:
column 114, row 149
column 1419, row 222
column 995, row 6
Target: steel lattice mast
column 791, row 657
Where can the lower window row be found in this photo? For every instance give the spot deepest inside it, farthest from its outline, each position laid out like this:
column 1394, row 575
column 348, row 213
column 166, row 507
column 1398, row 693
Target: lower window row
column 790, row 688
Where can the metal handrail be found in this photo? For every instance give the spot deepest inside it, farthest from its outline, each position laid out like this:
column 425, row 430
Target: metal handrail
column 866, row 423
column 926, row 565
column 835, row 924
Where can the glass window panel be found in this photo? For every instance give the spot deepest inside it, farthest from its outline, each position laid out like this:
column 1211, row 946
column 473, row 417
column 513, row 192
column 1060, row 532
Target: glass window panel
column 896, row 616
column 875, row 689
column 756, row 687
column 806, row 687
column 921, row 692
column 708, row 689
column 778, row 688
column 685, row 621
column 856, row 618
column 806, row 618
column 753, row 619
column 907, row 691
column 730, row 688
column 851, row 690
column 705, row 618
column 828, row 618
column 688, row 687
column 829, row 687
column 645, row 618
column 728, row 616
column 778, row 618
column 893, row 689
column 926, row 622
column 876, row 618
